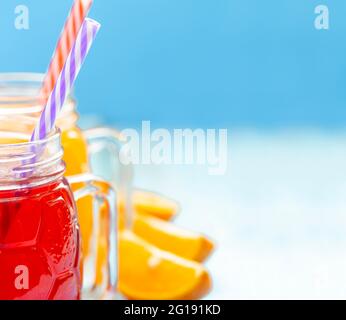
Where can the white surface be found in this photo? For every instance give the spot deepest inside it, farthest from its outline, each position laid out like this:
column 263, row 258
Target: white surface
column 278, row 215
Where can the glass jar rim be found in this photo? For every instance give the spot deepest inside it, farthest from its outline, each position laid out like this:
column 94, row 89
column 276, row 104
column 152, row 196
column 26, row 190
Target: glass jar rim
column 53, row 136
column 30, row 163
column 30, row 103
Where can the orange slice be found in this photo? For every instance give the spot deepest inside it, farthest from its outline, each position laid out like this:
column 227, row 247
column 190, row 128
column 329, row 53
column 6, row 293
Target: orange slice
column 169, row 237
column 146, row 272
column 154, row 204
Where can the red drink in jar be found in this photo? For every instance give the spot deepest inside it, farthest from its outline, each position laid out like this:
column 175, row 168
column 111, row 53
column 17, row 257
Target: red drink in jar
column 39, row 232
column 39, row 243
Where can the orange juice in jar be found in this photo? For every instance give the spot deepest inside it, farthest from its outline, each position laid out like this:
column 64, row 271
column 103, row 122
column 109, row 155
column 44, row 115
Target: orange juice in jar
column 77, row 162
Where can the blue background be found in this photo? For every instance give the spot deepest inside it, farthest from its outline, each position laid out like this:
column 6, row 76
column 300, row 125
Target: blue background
column 278, row 214
column 197, row 62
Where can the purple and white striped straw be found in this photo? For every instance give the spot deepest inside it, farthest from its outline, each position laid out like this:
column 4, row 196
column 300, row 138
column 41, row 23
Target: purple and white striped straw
column 66, row 79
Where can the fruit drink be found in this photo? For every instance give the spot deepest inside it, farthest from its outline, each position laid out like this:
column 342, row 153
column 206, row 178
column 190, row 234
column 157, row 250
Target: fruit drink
column 39, row 243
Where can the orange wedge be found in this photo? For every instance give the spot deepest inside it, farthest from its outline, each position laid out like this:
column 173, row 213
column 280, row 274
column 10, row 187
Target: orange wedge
column 146, row 272
column 169, row 237
column 154, row 204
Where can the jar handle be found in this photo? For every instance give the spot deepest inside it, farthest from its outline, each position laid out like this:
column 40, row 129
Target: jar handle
column 104, row 194
column 119, row 174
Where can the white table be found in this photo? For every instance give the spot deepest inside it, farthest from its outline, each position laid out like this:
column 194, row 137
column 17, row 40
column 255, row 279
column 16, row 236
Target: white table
column 278, row 216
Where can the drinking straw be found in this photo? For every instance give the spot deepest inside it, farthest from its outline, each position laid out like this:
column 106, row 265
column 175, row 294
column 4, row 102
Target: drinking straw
column 68, row 36
column 66, row 78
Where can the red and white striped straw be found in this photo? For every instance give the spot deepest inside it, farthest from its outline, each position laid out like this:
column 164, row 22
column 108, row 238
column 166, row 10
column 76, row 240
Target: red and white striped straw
column 66, row 78
column 68, row 36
